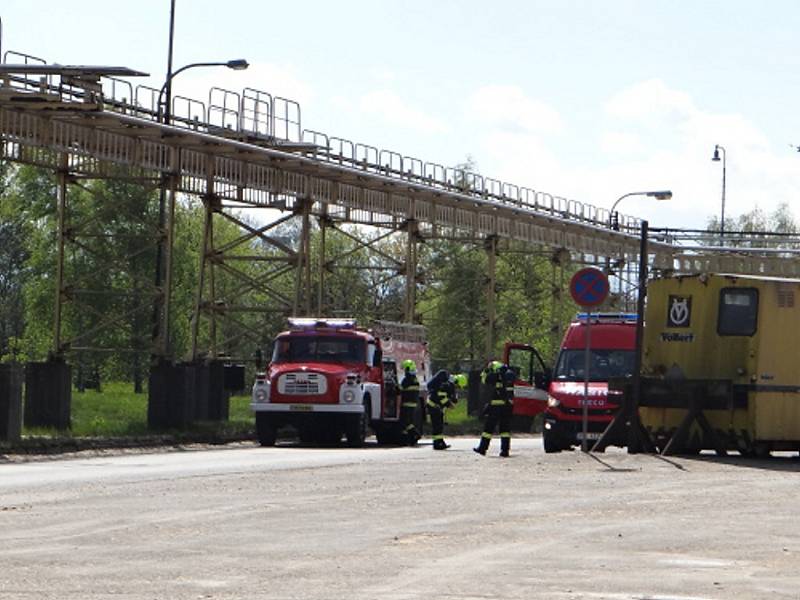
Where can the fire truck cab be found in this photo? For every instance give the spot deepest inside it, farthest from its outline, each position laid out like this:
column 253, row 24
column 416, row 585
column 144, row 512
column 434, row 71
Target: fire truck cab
column 327, row 378
column 612, row 347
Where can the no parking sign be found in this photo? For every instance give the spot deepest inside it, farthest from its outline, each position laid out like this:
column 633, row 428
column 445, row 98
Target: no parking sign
column 589, row 287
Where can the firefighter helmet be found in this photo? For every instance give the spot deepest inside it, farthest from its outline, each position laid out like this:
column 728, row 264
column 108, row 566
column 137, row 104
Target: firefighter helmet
column 409, row 365
column 460, row 380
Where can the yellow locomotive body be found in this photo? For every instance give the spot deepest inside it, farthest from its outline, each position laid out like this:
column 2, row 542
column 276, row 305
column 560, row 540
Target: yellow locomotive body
column 724, row 347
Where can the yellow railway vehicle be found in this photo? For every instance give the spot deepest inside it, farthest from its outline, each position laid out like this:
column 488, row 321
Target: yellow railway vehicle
column 720, row 366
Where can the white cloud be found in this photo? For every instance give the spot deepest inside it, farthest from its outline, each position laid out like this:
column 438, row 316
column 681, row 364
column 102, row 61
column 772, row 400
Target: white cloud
column 507, row 107
column 650, row 99
column 618, row 142
column 390, row 107
column 653, row 137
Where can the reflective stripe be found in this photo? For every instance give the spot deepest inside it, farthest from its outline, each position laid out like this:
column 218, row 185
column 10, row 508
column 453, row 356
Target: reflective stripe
column 410, row 404
column 431, row 403
column 498, row 402
column 505, row 434
column 437, row 437
column 410, row 388
column 486, row 435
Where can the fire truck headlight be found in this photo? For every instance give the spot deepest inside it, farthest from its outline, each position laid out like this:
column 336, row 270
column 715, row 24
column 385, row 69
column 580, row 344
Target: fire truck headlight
column 553, row 402
column 261, row 395
column 349, row 396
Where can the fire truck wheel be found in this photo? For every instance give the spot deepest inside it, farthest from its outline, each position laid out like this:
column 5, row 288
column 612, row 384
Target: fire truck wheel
column 307, row 435
column 551, row 444
column 356, row 432
column 265, row 430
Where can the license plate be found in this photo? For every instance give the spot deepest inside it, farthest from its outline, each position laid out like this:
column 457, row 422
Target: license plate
column 589, row 436
column 302, row 407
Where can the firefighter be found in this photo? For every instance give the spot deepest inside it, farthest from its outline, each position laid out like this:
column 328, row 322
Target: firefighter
column 442, row 395
column 409, row 402
column 500, row 379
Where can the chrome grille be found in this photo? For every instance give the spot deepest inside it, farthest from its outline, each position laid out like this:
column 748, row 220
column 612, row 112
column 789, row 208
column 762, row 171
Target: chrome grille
column 302, row 384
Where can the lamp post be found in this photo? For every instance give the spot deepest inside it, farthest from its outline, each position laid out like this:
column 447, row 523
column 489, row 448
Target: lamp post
column 160, row 336
column 715, row 158
column 161, row 323
column 658, row 195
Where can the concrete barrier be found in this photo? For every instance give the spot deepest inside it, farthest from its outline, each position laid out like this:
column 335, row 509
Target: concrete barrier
column 11, row 376
column 48, row 394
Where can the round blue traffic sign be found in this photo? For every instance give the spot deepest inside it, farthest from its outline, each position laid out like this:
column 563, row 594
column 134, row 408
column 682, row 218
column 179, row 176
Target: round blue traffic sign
column 589, row 287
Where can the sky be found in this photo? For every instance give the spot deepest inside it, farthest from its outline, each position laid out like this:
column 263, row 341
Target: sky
column 589, row 100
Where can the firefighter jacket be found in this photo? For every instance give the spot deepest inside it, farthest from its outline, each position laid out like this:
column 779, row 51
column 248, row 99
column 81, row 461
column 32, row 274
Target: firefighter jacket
column 502, row 392
column 441, row 392
column 409, row 390
column 509, row 377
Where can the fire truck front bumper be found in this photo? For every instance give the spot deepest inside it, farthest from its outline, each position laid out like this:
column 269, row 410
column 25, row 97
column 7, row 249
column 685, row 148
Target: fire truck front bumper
column 341, row 409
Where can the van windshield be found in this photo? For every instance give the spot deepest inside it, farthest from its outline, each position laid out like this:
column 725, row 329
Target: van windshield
column 603, row 364
column 319, row 349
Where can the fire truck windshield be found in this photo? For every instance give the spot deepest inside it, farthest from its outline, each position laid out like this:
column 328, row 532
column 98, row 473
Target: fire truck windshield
column 603, row 364
column 326, row 349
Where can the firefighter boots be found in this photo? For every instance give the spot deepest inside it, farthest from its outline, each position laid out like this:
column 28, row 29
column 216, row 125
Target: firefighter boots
column 505, row 446
column 483, row 446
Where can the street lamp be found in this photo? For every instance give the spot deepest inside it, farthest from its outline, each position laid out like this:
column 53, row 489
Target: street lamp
column 659, row 195
column 159, row 336
column 715, row 158
column 238, row 64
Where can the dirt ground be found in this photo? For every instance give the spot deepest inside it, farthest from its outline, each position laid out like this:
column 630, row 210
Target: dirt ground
column 397, row 524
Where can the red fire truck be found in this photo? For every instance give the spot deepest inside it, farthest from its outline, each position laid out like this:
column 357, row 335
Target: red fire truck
column 328, row 378
column 612, row 341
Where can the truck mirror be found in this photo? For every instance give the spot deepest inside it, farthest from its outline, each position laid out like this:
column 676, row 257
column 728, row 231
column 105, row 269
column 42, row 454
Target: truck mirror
column 378, row 358
column 541, row 379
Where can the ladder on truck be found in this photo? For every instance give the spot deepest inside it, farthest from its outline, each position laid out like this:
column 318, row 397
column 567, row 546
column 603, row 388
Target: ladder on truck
column 405, row 332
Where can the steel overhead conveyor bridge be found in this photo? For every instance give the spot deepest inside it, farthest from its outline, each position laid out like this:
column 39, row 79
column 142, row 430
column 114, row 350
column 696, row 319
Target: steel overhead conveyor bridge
column 248, row 150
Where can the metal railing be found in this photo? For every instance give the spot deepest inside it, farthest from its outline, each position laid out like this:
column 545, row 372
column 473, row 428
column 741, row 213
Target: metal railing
column 258, row 115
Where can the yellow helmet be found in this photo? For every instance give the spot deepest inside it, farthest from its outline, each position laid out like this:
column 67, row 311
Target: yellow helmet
column 460, row 380
column 409, row 365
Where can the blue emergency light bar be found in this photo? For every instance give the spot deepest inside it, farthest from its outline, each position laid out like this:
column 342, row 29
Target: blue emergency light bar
column 312, row 323
column 606, row 316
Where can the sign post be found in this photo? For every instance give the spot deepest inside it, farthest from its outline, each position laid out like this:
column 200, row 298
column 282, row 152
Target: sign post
column 589, row 288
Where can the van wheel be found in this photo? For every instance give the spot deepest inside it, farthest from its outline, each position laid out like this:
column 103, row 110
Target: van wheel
column 266, row 431
column 356, row 432
column 551, row 444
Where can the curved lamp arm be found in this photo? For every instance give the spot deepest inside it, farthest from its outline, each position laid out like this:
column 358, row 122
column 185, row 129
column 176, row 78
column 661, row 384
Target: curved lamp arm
column 238, row 64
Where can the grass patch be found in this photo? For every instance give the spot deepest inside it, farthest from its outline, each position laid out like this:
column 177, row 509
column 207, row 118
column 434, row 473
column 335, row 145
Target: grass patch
column 117, row 411
column 458, row 422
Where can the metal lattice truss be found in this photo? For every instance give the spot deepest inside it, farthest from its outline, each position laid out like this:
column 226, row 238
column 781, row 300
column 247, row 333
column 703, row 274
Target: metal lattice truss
column 249, row 147
column 265, row 177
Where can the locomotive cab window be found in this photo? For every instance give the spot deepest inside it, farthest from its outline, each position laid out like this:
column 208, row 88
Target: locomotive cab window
column 738, row 311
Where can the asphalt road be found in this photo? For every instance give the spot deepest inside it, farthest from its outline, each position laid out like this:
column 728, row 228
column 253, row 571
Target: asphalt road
column 398, row 523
